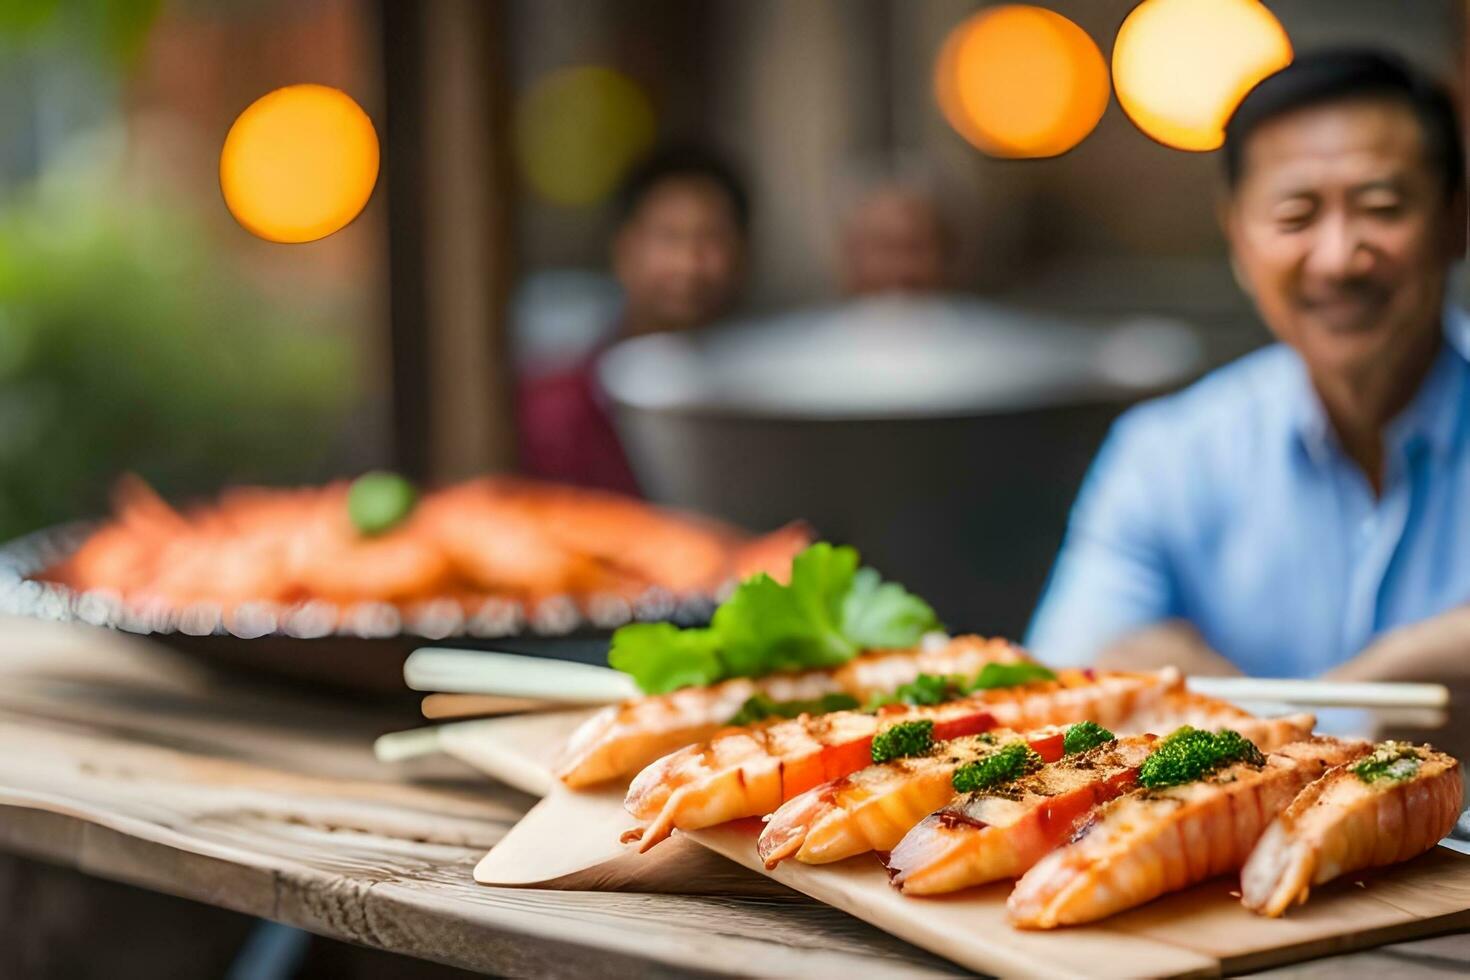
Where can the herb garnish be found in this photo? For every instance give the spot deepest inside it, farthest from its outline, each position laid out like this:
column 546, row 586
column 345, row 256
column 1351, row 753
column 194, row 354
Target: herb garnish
column 1189, row 754
column 1393, row 761
column 926, row 689
column 993, row 676
column 937, row 689
column 378, row 502
column 758, row 707
column 1006, row 763
column 1085, row 735
column 831, row 611
column 904, row 739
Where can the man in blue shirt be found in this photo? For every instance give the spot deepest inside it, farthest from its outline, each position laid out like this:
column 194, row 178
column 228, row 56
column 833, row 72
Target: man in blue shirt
column 1296, row 512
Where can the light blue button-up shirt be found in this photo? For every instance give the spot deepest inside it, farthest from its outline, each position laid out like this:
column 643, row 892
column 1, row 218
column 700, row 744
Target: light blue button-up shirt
column 1231, row 505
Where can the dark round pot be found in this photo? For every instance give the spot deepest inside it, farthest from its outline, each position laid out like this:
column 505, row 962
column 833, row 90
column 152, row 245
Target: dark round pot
column 945, row 440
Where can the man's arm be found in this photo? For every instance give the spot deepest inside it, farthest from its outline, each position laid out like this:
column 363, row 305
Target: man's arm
column 1112, row 576
column 1436, row 649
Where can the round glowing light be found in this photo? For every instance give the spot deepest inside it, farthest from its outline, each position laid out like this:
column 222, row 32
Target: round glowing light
column 1021, row 81
column 577, row 131
column 299, row 163
column 1180, row 67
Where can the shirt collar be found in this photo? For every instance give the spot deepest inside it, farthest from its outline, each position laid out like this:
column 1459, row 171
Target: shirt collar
column 1430, row 418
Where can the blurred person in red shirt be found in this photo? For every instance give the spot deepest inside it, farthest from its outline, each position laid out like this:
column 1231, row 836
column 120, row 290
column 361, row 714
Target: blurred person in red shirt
column 679, row 255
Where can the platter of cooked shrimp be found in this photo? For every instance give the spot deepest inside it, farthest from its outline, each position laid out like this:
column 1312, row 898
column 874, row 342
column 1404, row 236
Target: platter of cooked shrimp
column 961, row 795
column 490, row 557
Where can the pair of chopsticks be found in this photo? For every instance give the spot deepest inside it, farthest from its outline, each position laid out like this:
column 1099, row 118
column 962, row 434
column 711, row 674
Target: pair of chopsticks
column 509, row 675
column 475, row 683
column 469, row 685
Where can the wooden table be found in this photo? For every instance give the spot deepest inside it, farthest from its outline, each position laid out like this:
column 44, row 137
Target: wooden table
column 125, row 762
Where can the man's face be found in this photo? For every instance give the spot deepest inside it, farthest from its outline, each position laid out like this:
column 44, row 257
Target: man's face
column 1342, row 233
column 680, row 256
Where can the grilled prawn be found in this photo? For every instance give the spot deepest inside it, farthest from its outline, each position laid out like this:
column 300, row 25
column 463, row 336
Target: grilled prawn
column 1185, row 707
column 999, row 832
column 874, row 807
column 623, row 738
column 1153, row 841
column 749, row 772
column 1392, row 806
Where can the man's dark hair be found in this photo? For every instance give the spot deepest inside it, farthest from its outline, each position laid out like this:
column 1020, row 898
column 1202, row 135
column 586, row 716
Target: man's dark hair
column 682, row 162
column 1343, row 75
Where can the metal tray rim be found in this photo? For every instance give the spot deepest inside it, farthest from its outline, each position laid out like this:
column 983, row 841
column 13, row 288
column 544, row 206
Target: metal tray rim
column 494, row 618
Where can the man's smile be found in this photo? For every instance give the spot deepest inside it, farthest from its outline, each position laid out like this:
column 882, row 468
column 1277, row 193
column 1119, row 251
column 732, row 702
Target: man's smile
column 1349, row 308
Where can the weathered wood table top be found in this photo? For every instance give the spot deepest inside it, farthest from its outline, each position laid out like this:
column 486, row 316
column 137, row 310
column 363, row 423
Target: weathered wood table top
column 129, row 763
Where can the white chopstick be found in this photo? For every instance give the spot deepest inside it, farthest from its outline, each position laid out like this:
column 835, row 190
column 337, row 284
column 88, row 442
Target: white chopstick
column 397, row 746
column 514, row 676
column 1357, row 694
column 416, row 742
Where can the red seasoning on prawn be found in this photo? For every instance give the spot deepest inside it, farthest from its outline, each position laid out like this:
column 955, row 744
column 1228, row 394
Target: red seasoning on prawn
column 749, row 772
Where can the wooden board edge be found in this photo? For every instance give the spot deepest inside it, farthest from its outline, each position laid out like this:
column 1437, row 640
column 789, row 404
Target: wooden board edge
column 1001, row 961
column 1348, row 942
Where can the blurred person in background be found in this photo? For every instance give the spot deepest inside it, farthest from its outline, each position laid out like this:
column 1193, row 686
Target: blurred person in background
column 893, row 239
column 679, row 255
column 1306, row 509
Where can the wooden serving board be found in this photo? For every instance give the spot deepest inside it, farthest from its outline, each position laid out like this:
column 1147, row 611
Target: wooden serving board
column 571, row 839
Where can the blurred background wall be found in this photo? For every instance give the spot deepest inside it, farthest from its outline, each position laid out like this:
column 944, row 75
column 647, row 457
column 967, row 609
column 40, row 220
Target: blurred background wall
column 803, row 93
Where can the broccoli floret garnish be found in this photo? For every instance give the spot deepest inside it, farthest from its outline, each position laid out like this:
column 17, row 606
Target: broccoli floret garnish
column 1232, row 747
column 904, row 739
column 758, row 707
column 1393, row 761
column 1190, row 754
column 1085, row 735
column 1004, row 764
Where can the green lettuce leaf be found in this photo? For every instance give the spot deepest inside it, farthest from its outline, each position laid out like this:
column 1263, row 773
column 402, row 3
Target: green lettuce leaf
column 661, row 657
column 830, row 611
column 767, row 627
column 878, row 614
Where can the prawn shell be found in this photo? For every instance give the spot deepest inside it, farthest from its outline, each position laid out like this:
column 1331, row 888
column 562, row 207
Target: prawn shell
column 750, row 772
column 1339, row 824
column 677, row 791
column 1151, row 842
column 874, row 807
column 625, row 738
column 990, row 835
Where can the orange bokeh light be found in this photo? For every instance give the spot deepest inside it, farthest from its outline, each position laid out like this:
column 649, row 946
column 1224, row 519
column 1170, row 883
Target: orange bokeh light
column 1021, row 81
column 1180, row 67
column 299, row 163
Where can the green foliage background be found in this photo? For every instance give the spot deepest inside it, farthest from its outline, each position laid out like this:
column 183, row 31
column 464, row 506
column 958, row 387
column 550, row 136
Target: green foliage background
column 128, row 339
column 127, row 343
